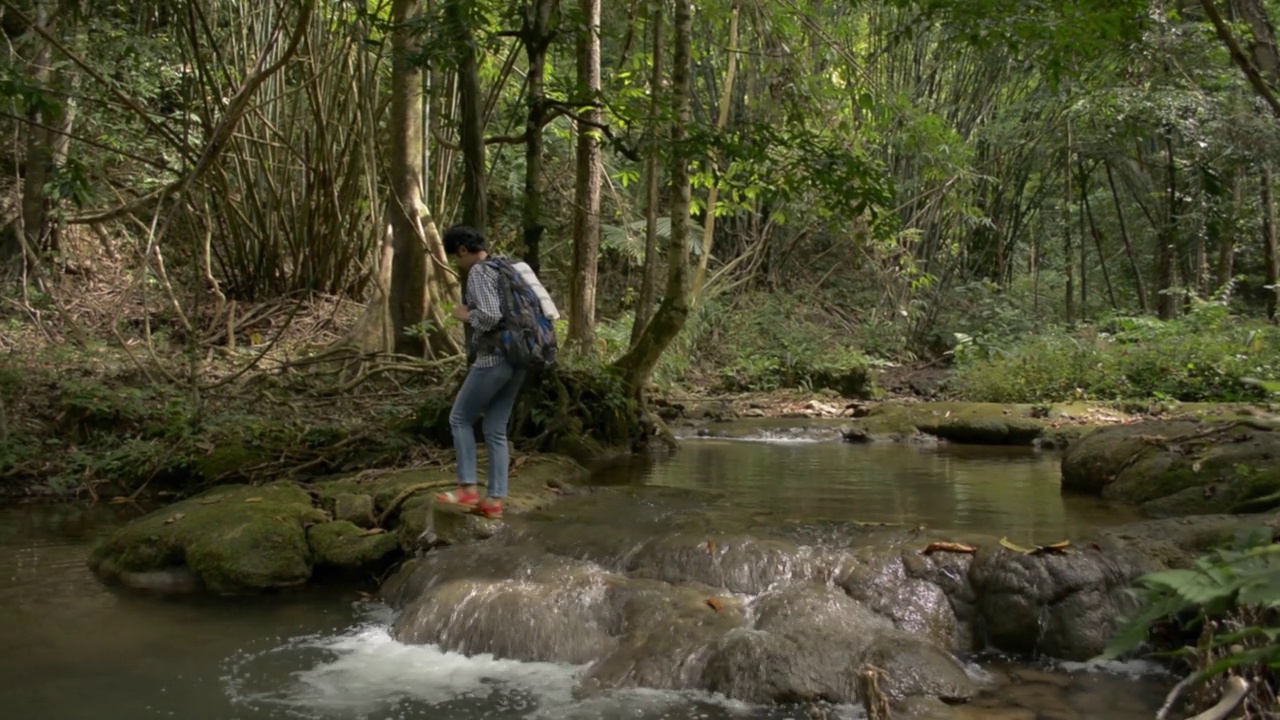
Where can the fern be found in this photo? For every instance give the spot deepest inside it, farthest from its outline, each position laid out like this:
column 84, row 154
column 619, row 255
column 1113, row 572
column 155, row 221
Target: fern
column 1245, row 577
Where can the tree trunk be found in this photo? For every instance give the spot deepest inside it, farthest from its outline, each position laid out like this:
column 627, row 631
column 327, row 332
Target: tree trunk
column 653, row 177
column 1084, row 245
column 475, row 193
column 726, row 98
column 1227, row 237
column 412, row 240
column 1271, row 261
column 637, row 365
column 1097, row 243
column 1067, row 257
column 536, row 34
column 586, row 205
column 46, row 149
column 1166, row 250
column 1128, row 243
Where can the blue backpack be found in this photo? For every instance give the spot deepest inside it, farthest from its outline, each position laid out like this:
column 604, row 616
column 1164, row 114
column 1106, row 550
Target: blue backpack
column 526, row 337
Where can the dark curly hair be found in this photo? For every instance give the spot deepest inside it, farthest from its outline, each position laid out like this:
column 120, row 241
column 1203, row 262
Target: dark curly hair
column 466, row 236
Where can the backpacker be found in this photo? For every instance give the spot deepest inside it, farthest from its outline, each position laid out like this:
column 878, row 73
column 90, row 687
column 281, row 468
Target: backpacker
column 526, row 338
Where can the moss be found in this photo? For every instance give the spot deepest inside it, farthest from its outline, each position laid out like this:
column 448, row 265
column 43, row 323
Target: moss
column 344, row 545
column 232, row 538
column 1176, row 467
column 981, row 430
column 229, row 457
column 356, row 508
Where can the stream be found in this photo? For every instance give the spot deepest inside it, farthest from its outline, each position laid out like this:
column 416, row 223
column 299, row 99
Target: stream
column 71, row 648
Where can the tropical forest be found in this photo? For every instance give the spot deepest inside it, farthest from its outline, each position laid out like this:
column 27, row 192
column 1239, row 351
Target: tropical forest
column 910, row 359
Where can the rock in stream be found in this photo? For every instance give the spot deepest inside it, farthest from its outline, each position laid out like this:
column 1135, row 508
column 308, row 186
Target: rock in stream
column 673, row 596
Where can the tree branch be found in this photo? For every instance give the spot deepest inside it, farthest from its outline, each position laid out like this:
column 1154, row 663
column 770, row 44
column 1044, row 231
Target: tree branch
column 630, row 153
column 1241, row 59
column 520, row 139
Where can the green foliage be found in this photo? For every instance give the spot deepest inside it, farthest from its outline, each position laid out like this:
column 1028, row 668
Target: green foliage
column 766, row 342
column 1208, row 355
column 1228, row 598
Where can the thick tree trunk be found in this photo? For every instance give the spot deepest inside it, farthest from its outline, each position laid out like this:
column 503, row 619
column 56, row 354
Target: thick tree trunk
column 1271, row 261
column 586, row 205
column 653, row 178
column 536, row 34
column 413, row 246
column 46, row 149
column 637, row 365
column 475, row 190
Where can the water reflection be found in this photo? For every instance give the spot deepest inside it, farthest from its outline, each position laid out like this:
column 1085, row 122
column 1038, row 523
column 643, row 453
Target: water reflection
column 1000, row 491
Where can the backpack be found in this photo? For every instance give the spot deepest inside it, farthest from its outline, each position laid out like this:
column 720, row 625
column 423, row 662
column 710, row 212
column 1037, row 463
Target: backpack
column 526, row 338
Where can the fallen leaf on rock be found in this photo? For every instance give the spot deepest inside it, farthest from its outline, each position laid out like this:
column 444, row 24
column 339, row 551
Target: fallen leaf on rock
column 1006, row 544
column 1057, row 548
column 711, row 546
column 211, row 501
column 715, row 603
column 373, row 531
column 253, row 500
column 118, row 500
column 934, row 547
column 174, row 518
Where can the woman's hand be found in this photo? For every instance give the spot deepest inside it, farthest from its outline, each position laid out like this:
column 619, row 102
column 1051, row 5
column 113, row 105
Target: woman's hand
column 462, row 312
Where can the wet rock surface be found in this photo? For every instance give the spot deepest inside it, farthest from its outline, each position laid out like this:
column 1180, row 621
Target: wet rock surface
column 670, row 593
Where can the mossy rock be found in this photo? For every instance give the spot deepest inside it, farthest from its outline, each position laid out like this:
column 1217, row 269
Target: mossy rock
column 232, row 539
column 1178, row 467
column 979, row 430
column 850, row 381
column 534, row 484
column 355, row 508
column 1052, row 426
column 227, row 458
column 343, row 545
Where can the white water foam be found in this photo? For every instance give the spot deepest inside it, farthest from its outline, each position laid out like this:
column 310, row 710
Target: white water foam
column 365, row 674
column 1134, row 669
column 768, row 437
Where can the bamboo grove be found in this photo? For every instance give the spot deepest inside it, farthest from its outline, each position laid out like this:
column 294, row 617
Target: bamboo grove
column 905, row 162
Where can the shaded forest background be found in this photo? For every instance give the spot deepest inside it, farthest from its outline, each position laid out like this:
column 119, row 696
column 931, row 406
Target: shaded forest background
column 221, row 219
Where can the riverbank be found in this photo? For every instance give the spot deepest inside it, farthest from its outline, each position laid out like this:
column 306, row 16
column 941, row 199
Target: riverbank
column 108, row 425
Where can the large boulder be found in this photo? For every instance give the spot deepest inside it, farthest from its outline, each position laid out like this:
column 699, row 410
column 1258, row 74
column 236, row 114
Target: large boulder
column 808, row 644
column 1177, row 468
column 1063, row 606
column 230, row 539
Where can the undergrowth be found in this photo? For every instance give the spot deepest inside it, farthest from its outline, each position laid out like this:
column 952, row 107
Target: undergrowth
column 1218, row 619
column 1209, row 354
column 93, row 421
column 758, row 342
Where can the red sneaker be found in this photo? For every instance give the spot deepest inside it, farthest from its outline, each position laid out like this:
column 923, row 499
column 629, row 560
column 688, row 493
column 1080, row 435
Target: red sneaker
column 490, row 508
column 460, row 498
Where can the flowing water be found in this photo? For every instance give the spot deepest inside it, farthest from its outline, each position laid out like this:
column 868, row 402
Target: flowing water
column 71, row 649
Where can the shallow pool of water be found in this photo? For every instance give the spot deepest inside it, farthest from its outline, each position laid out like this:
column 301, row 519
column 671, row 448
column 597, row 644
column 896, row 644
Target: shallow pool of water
column 71, row 649
column 1014, row 492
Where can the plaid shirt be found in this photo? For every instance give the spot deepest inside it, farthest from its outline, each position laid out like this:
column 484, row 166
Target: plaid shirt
column 485, row 302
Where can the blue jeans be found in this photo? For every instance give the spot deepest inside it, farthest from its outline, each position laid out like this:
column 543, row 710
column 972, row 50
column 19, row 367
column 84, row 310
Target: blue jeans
column 492, row 391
